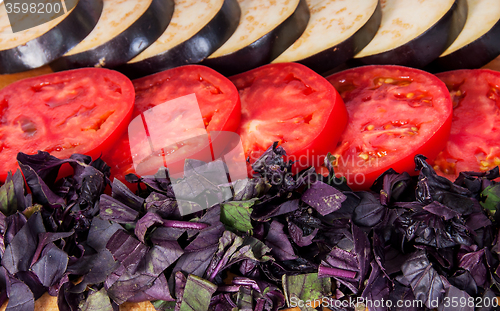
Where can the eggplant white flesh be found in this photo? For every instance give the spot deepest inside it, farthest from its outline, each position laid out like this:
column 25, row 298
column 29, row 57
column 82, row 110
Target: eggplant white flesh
column 40, row 45
column 478, row 43
column 125, row 29
column 266, row 29
column 414, row 33
column 198, row 28
column 336, row 31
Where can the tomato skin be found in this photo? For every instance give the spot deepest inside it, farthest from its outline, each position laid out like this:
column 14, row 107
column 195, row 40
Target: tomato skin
column 291, row 104
column 474, row 142
column 217, row 98
column 76, row 111
column 395, row 113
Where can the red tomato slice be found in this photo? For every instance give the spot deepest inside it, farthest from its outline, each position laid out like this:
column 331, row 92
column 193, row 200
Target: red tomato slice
column 217, row 98
column 395, row 113
column 293, row 105
column 78, row 111
column 474, row 143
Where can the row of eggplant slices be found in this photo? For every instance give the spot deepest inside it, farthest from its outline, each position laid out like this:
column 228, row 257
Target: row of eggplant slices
column 141, row 37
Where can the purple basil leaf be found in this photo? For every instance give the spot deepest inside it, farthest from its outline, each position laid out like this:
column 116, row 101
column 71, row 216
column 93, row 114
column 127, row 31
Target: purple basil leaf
column 377, row 287
column 97, row 301
column 122, row 193
column 463, row 280
column 144, row 223
column 163, row 205
column 95, row 269
column 51, row 265
column 159, row 258
column 114, row 210
column 369, row 211
column 29, row 278
column 455, row 294
column 159, row 291
column 45, row 238
column 324, row 198
column 247, row 189
column 166, row 236
column 391, row 186
column 222, row 302
column 200, row 251
column 488, row 294
column 20, row 296
column 425, row 281
column 207, row 237
column 100, row 232
column 441, row 210
column 477, row 220
column 19, row 253
column 233, row 249
column 68, row 300
column 278, row 241
column 197, row 294
column 339, row 263
column 298, row 237
column 431, row 187
column 43, row 164
column 362, row 248
column 39, row 189
column 474, row 262
column 13, row 225
column 405, row 295
column 128, row 285
column 265, row 213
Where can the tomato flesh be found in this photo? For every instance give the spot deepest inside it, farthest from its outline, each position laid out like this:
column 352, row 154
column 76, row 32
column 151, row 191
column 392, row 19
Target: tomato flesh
column 218, row 103
column 394, row 113
column 474, row 143
column 78, row 111
column 290, row 104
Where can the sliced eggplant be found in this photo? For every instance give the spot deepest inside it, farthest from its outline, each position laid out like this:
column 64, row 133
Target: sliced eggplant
column 336, row 31
column 197, row 29
column 414, row 33
column 40, row 45
column 478, row 43
column 125, row 29
column 266, row 29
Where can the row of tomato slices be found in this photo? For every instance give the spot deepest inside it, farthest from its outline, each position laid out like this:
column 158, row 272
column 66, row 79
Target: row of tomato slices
column 370, row 118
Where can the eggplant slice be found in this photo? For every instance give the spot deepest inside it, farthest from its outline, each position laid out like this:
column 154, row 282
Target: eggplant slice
column 478, row 43
column 414, row 33
column 40, row 45
column 337, row 30
column 266, row 29
column 197, row 29
column 125, row 29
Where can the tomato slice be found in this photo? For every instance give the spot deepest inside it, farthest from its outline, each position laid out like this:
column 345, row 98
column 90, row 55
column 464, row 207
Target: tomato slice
column 217, row 99
column 291, row 104
column 78, row 111
column 474, row 143
column 395, row 113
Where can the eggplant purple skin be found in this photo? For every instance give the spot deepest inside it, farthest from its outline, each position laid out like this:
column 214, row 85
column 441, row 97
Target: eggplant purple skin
column 128, row 44
column 54, row 43
column 266, row 48
column 193, row 50
column 425, row 48
column 337, row 55
column 471, row 56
